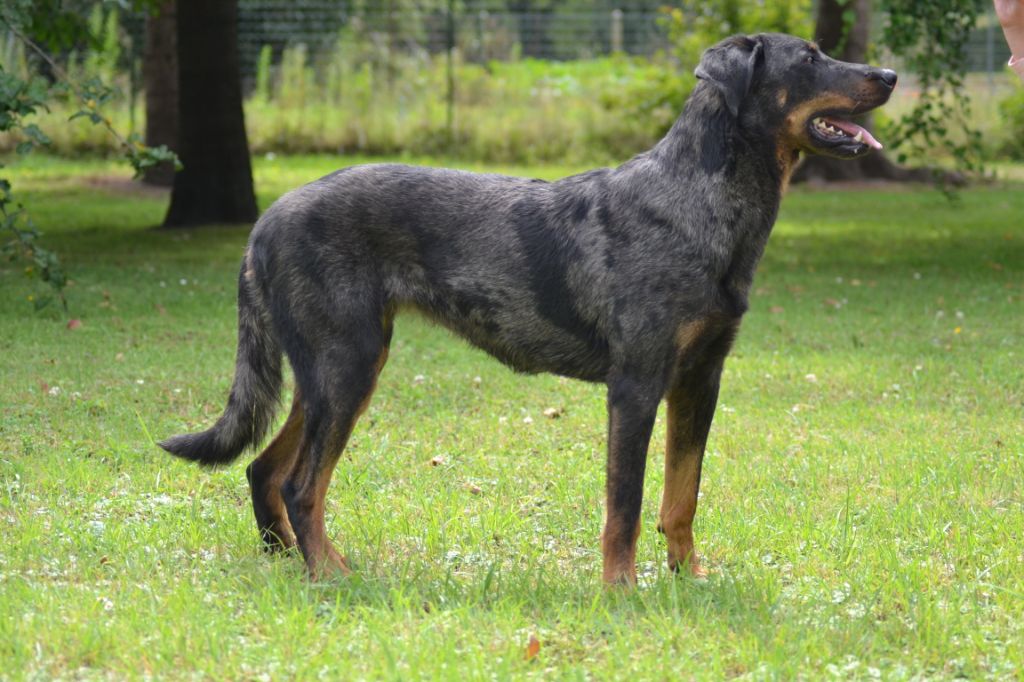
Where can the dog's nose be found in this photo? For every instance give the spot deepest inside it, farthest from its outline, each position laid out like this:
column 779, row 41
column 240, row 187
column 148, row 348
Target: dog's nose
column 887, row 76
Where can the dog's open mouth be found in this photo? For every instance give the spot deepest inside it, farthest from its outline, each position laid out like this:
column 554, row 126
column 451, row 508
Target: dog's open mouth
column 832, row 135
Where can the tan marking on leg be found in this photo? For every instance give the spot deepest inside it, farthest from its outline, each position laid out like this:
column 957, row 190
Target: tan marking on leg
column 321, row 556
column 782, row 97
column 679, row 506
column 273, row 466
column 682, row 454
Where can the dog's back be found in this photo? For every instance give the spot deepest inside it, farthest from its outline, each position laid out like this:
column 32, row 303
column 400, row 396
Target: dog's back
column 454, row 245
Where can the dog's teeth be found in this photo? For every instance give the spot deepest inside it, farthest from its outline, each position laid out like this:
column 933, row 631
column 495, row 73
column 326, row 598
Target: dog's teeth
column 859, row 137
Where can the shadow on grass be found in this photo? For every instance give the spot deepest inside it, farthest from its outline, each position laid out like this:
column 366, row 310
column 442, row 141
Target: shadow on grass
column 744, row 603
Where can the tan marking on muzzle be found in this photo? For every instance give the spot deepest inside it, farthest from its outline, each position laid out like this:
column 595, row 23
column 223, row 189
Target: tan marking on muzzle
column 795, row 126
column 793, row 134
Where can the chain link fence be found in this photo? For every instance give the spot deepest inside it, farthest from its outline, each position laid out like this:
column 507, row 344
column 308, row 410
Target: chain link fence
column 480, row 30
column 424, row 76
column 491, row 29
column 484, row 30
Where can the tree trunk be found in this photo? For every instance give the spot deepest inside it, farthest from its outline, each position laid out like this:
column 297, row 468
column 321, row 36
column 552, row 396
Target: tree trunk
column 160, row 80
column 851, row 46
column 215, row 185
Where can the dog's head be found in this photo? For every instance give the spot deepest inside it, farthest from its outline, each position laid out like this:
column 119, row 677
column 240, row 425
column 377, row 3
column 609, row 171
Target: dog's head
column 788, row 88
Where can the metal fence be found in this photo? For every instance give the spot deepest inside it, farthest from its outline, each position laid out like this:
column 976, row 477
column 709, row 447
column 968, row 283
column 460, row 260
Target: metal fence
column 987, row 50
column 481, row 30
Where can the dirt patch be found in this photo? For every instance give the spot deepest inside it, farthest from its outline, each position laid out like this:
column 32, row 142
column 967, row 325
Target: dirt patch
column 122, row 186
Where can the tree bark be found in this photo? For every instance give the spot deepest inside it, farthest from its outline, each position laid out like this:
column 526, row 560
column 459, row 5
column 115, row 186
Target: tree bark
column 160, row 81
column 828, row 29
column 851, row 46
column 215, row 185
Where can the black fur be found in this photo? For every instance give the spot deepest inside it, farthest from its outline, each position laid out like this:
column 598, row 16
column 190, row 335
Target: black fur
column 254, row 395
column 635, row 276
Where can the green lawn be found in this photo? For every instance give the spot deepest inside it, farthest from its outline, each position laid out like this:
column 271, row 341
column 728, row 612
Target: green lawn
column 861, row 506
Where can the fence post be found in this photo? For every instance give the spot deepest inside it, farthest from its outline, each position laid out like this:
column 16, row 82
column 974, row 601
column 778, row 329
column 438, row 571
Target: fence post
column 450, row 109
column 616, row 30
column 990, row 58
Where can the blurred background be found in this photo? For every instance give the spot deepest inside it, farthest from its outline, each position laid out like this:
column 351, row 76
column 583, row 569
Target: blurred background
column 509, row 81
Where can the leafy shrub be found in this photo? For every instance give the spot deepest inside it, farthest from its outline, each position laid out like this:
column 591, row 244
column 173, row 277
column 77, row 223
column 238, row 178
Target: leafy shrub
column 524, row 111
column 693, row 25
column 24, row 96
column 362, row 98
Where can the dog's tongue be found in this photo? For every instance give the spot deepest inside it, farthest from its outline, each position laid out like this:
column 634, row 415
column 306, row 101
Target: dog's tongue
column 852, row 129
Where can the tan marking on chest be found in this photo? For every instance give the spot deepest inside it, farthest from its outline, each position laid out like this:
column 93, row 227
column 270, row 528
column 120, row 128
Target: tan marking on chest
column 249, row 274
column 688, row 334
column 787, row 159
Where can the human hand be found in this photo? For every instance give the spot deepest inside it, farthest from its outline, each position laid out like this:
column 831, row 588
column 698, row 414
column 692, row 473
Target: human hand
column 1010, row 13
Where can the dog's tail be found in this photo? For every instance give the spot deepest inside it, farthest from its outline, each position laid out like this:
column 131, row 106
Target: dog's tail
column 254, row 393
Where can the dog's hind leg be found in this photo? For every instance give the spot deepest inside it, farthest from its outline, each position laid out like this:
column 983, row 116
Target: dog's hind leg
column 267, row 474
column 336, row 388
column 632, row 407
column 692, row 397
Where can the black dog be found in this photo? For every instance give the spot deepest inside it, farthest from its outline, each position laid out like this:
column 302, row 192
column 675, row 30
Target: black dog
column 635, row 276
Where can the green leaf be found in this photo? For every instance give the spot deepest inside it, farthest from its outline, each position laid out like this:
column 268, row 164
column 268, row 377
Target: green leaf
column 37, row 135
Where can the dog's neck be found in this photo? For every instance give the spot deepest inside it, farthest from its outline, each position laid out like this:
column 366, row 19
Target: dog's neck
column 726, row 162
column 708, row 137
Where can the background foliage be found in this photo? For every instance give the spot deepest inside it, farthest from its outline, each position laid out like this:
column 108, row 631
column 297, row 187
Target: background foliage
column 367, row 83
column 83, row 94
column 931, row 37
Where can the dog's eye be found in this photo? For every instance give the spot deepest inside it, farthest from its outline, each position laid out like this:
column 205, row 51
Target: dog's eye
column 810, row 59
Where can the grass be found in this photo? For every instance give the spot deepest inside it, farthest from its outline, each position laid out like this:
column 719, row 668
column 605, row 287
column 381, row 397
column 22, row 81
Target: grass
column 861, row 500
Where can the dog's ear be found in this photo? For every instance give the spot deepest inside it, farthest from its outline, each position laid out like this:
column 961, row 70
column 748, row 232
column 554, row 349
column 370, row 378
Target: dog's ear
column 729, row 66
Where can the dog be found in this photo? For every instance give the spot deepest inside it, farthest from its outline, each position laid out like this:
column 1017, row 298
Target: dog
column 636, row 277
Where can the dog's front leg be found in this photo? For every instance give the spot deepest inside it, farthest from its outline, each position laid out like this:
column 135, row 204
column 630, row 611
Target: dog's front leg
column 632, row 407
column 692, row 397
